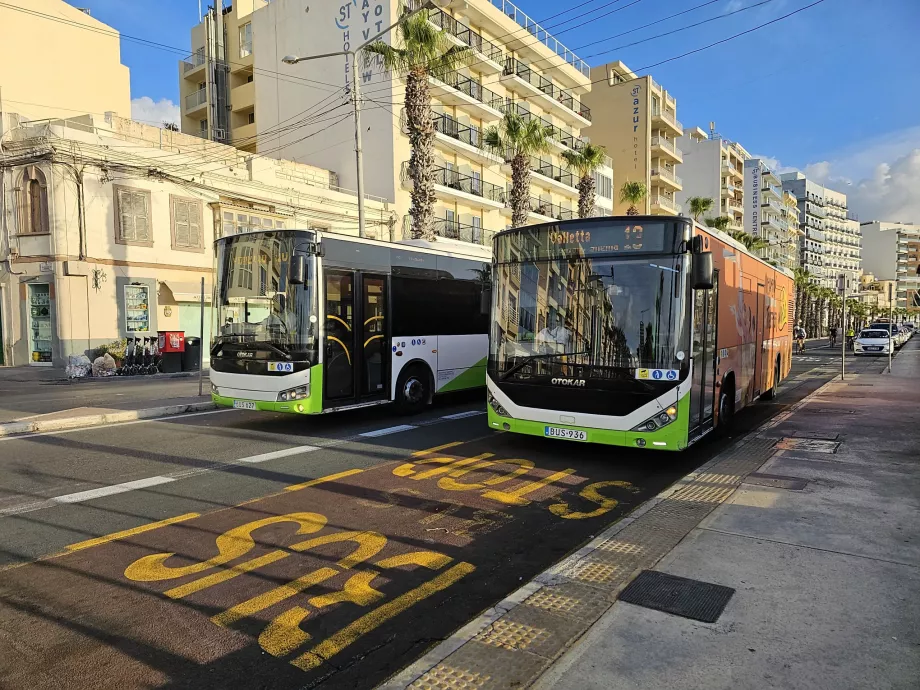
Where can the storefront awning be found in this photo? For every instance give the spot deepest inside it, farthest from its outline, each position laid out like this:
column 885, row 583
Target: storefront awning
column 187, row 291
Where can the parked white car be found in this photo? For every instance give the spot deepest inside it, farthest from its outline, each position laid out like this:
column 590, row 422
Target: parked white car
column 873, row 341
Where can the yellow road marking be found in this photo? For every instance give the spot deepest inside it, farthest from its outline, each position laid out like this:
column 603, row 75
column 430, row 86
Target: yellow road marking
column 515, row 497
column 130, row 532
column 420, row 453
column 322, row 480
column 224, row 575
column 272, row 597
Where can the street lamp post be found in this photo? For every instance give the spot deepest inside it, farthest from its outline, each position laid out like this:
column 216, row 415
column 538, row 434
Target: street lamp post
column 356, row 95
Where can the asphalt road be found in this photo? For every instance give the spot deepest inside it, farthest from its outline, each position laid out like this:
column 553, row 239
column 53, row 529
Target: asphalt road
column 290, row 552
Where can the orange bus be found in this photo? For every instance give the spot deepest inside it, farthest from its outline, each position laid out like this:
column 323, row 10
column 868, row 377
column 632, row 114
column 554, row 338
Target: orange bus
column 640, row 331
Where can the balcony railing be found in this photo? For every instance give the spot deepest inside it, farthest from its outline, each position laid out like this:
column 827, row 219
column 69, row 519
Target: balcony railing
column 553, row 172
column 815, row 210
column 667, row 145
column 196, row 59
column 666, row 202
column 193, row 100
column 542, row 35
column 473, row 89
column 542, row 207
column 667, row 175
column 669, row 118
column 547, row 86
column 454, row 179
column 454, row 230
column 461, row 31
column 455, row 129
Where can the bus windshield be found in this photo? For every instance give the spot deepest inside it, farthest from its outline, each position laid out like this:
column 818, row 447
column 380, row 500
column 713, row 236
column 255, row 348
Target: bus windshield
column 256, row 306
column 589, row 318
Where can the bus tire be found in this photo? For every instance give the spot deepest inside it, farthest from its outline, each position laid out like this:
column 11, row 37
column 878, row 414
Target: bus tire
column 770, row 394
column 726, row 407
column 413, row 389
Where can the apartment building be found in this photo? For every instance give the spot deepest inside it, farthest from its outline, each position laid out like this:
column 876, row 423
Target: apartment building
column 58, row 61
column 303, row 111
column 217, row 81
column 117, row 245
column 635, row 119
column 892, row 251
column 830, row 245
column 713, row 168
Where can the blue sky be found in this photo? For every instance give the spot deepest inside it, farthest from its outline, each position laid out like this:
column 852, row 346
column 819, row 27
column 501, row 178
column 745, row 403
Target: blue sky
column 836, row 86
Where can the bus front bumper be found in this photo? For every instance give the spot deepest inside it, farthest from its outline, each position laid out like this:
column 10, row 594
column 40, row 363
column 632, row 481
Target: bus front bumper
column 671, row 437
column 302, row 406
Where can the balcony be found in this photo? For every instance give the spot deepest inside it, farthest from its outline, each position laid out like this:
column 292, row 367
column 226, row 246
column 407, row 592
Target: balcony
column 455, row 89
column 542, row 209
column 772, row 190
column 729, row 169
column 664, row 203
column 454, row 230
column 459, row 137
column 663, row 175
column 655, row 85
column 554, row 173
column 557, row 134
column 777, row 223
column 193, row 62
column 669, row 120
column 815, row 210
column 196, row 100
column 489, row 56
column 668, row 148
column 776, row 206
column 670, row 100
column 243, row 97
column 456, row 186
column 519, row 77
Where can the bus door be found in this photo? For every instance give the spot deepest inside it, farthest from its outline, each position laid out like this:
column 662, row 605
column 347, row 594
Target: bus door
column 356, row 368
column 760, row 362
column 705, row 357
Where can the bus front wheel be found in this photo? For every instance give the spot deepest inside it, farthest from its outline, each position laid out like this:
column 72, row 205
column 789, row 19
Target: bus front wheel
column 413, row 389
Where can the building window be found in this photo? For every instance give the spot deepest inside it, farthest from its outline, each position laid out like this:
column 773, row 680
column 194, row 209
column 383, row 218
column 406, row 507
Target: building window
column 33, row 217
column 242, row 259
column 252, row 118
column 132, row 216
column 185, row 224
column 604, row 185
column 246, row 40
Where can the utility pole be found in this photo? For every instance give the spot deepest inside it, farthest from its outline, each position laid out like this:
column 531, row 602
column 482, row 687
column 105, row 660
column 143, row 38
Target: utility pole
column 890, row 323
column 842, row 289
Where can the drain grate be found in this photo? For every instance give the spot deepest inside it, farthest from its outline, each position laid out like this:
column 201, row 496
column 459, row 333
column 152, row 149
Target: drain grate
column 701, row 601
column 776, row 481
column 812, row 445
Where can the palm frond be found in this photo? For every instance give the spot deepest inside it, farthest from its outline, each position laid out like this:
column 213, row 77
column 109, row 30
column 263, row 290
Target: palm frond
column 515, row 136
column 632, row 192
column 699, row 205
column 586, row 160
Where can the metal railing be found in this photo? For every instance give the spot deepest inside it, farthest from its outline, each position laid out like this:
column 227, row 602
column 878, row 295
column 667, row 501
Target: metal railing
column 455, row 129
column 193, row 100
column 815, row 210
column 196, row 59
column 775, row 205
column 553, row 172
column 669, row 118
column 655, row 84
column 666, row 202
column 522, row 71
column 454, row 230
column 471, row 88
column 667, row 175
column 454, row 179
column 461, row 31
column 542, row 35
column 542, row 207
column 667, row 145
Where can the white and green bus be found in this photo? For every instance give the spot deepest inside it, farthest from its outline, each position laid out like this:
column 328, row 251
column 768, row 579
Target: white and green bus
column 308, row 322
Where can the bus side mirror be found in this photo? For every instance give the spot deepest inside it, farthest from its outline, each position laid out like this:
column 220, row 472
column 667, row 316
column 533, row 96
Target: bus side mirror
column 701, row 271
column 298, row 269
column 485, row 301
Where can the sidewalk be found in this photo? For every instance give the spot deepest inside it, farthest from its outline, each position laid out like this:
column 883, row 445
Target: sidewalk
column 813, row 525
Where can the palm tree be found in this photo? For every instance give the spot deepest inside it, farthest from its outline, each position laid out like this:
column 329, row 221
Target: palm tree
column 719, row 223
column 517, row 140
column 699, row 205
column 632, row 193
column 583, row 163
column 802, row 281
column 750, row 242
column 419, row 51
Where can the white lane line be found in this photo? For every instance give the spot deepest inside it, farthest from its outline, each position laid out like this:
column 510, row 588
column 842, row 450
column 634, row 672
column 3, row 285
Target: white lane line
column 464, row 415
column 388, row 430
column 274, row 455
column 113, row 489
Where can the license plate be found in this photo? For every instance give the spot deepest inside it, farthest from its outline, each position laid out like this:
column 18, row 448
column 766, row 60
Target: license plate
column 874, row 349
column 568, row 434
column 244, row 405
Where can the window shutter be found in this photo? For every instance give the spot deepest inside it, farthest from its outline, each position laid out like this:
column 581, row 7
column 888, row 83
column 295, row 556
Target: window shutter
column 194, row 225
column 141, row 224
column 181, row 229
column 126, row 212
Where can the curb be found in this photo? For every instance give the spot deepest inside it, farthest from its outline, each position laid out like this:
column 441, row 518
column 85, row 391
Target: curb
column 17, row 428
column 482, row 651
column 152, row 377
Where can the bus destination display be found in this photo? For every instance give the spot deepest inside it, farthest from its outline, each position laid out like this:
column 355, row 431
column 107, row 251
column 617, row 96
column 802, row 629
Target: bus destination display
column 611, row 239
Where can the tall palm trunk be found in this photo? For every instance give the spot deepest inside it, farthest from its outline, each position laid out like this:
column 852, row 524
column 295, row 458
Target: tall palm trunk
column 799, row 294
column 520, row 190
column 586, row 186
column 421, row 160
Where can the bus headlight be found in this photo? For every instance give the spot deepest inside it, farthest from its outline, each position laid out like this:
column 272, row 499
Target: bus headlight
column 215, row 390
column 495, row 405
column 294, row 393
column 658, row 420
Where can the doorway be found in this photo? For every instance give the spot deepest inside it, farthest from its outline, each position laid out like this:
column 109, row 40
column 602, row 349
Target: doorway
column 705, row 358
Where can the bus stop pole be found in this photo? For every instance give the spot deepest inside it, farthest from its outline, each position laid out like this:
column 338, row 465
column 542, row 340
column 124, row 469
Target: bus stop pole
column 201, row 344
column 890, row 324
column 842, row 289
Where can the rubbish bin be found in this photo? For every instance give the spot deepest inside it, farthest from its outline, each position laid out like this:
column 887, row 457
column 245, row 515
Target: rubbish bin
column 172, row 346
column 191, row 358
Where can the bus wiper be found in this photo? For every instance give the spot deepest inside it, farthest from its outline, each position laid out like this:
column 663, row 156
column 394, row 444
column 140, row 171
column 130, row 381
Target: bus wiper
column 528, row 360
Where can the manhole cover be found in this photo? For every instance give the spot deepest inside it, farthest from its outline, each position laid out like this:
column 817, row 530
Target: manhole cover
column 812, row 445
column 701, row 601
column 776, row 481
column 816, row 434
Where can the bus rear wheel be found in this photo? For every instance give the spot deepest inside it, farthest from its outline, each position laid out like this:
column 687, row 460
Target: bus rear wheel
column 413, row 389
column 770, row 394
column 726, row 410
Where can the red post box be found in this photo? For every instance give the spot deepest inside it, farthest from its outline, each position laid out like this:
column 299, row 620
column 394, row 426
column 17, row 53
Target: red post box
column 172, row 341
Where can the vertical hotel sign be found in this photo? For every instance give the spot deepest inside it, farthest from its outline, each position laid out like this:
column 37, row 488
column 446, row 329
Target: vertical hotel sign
column 636, row 119
column 753, row 179
column 357, row 21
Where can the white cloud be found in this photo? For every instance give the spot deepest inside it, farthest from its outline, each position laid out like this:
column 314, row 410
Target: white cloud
column 892, row 193
column 733, row 6
column 774, row 164
column 145, row 109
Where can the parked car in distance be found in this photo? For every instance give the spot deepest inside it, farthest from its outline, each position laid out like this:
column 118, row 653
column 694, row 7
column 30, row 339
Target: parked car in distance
column 889, row 327
column 873, row 341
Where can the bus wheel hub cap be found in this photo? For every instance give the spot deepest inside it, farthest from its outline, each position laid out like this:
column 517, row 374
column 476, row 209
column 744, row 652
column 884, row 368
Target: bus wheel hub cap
column 413, row 390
